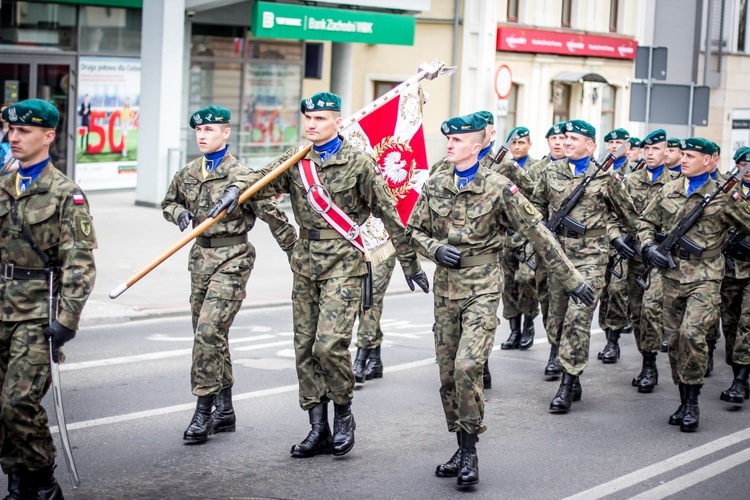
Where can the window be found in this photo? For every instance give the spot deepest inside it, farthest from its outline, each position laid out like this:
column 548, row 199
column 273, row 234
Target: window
column 608, row 95
column 107, row 30
column 567, row 7
column 742, row 26
column 614, row 7
column 506, row 114
column 380, row 88
column 38, row 24
column 560, row 102
column 512, row 13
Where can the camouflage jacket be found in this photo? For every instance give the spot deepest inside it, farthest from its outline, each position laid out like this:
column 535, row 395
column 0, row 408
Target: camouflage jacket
column 190, row 191
column 474, row 221
column 671, row 203
column 535, row 170
column 507, row 168
column 56, row 216
column 356, row 185
column 741, row 268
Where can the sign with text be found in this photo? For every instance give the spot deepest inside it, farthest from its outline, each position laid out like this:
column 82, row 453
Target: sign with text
column 300, row 22
column 564, row 43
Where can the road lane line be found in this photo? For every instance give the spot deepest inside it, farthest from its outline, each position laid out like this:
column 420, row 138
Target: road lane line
column 160, row 337
column 659, row 468
column 694, row 477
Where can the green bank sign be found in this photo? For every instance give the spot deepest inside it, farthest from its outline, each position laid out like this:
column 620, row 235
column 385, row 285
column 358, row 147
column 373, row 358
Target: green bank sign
column 299, row 22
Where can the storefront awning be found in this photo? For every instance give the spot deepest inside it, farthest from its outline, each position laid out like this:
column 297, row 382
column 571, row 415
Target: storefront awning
column 579, row 77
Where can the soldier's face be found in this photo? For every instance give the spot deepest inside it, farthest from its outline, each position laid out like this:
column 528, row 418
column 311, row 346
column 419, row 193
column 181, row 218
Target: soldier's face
column 490, row 135
column 614, row 145
column 463, row 148
column 30, row 144
column 556, row 145
column 674, row 156
column 634, row 154
column 578, row 146
column 520, row 147
column 715, row 160
column 695, row 163
column 746, row 175
column 655, row 154
column 212, row 137
column 321, row 126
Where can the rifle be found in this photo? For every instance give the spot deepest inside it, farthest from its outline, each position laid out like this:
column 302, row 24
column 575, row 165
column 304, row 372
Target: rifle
column 629, row 241
column 735, row 246
column 504, row 148
column 641, row 163
column 676, row 236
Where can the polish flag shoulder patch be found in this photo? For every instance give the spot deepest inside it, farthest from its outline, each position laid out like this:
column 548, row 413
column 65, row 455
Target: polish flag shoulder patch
column 78, row 199
column 735, row 196
column 512, row 189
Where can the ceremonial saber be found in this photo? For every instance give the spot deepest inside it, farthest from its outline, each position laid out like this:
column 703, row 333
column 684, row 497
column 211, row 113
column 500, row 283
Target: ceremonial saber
column 426, row 70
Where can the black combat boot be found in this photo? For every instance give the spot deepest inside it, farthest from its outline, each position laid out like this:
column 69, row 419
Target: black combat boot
column 343, row 428
column 39, row 485
column 649, row 375
column 564, row 397
column 577, row 390
column 676, row 417
column 223, row 419
column 740, row 390
column 200, row 426
column 374, row 365
column 710, row 361
column 606, row 336
column 14, row 486
column 691, row 413
column 611, row 351
column 486, row 375
column 469, row 473
column 527, row 337
column 664, row 342
column 319, row 440
column 360, row 364
column 553, row 368
column 514, row 339
column 453, row 465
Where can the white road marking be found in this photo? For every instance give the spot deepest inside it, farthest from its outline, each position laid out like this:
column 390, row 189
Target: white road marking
column 160, row 337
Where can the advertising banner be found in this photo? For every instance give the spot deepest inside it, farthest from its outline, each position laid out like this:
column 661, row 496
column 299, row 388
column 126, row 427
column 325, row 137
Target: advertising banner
column 564, row 43
column 109, row 91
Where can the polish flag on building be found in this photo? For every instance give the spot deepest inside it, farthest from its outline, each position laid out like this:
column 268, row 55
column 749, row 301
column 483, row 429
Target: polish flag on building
column 393, row 136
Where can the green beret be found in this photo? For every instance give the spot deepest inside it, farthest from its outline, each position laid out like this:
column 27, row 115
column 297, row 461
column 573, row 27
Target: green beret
column 673, row 142
column 742, row 154
column 487, row 116
column 581, row 127
column 520, row 132
column 655, row 137
column 210, row 114
column 32, row 112
column 698, row 144
column 717, row 149
column 556, row 129
column 322, row 101
column 463, row 124
column 634, row 142
column 618, row 133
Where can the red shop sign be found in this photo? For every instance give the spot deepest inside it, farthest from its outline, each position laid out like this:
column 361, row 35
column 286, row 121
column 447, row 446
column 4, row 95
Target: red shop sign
column 565, row 44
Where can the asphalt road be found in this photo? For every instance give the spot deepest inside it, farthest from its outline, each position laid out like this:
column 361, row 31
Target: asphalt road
column 128, row 401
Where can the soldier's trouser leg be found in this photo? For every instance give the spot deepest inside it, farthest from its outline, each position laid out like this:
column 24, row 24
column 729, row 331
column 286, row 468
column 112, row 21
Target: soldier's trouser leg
column 604, row 300
column 635, row 303
column 735, row 319
column 690, row 311
column 617, row 300
column 214, row 306
column 369, row 333
column 542, row 292
column 324, row 312
column 527, row 297
column 558, row 305
column 464, row 334
column 652, row 314
column 25, row 439
column 509, row 265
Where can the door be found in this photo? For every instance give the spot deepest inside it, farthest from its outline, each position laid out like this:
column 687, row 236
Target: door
column 51, row 78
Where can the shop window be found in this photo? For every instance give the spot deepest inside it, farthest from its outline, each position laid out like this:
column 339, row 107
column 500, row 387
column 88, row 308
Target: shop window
column 280, row 51
column 614, row 8
column 38, row 24
column 108, row 30
column 506, row 114
column 567, row 9
column 608, row 97
column 209, row 40
column 560, row 102
column 512, row 13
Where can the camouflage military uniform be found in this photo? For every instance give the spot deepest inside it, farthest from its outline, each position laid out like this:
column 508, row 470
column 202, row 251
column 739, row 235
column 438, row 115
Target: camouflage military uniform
column 369, row 333
column 220, row 262
column 474, row 220
column 328, row 270
column 692, row 288
column 540, row 275
column 56, row 216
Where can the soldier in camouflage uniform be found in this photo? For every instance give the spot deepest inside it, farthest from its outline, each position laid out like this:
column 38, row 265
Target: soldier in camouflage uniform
column 634, row 154
column 714, row 334
column 45, row 226
column 459, row 222
column 692, row 288
column 328, row 269
column 673, row 162
column 570, row 322
column 735, row 299
column 220, row 263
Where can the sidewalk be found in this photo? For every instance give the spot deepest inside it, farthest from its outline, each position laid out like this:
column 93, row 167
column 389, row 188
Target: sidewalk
column 130, row 237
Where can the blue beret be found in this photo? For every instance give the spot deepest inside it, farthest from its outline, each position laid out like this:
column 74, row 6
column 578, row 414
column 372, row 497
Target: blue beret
column 322, row 101
column 210, row 114
column 32, row 112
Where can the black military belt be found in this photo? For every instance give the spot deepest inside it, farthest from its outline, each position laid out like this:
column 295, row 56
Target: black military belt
column 11, row 272
column 480, row 260
column 590, row 233
column 738, row 255
column 221, row 242
column 683, row 254
column 319, row 234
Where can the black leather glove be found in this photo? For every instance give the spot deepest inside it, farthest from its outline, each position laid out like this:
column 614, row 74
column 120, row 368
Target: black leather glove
column 420, row 278
column 448, row 255
column 584, row 293
column 228, row 200
column 60, row 334
column 654, row 257
column 183, row 220
column 623, row 249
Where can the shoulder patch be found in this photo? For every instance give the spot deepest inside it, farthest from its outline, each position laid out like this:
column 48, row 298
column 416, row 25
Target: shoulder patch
column 78, row 199
column 512, row 189
column 735, row 196
column 618, row 177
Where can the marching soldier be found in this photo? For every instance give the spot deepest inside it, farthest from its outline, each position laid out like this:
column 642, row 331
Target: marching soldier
column 673, row 161
column 714, row 334
column 634, row 153
column 45, row 231
column 220, row 264
column 692, row 287
column 459, row 223
column 335, row 179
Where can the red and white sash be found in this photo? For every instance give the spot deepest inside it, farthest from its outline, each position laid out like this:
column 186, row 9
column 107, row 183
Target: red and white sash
column 320, row 200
